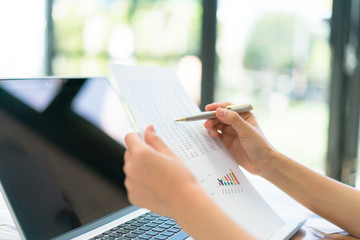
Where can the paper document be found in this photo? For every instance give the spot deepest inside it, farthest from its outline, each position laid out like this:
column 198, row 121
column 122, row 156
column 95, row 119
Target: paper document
column 155, row 96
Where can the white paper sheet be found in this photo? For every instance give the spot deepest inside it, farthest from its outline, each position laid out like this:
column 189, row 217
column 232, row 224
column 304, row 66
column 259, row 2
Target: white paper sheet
column 155, row 96
column 8, row 230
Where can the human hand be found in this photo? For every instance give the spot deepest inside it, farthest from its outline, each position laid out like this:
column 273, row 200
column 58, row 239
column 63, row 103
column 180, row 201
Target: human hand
column 241, row 135
column 156, row 178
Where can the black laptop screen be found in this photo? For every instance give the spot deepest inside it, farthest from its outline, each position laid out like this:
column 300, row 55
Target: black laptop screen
column 61, row 153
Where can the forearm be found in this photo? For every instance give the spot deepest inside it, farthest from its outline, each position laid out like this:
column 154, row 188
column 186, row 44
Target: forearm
column 332, row 200
column 199, row 216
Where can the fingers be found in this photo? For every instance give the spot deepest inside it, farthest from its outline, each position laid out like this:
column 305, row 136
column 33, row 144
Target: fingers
column 211, row 123
column 154, row 141
column 214, row 106
column 235, row 120
column 216, row 131
column 211, row 107
column 126, row 156
column 133, row 140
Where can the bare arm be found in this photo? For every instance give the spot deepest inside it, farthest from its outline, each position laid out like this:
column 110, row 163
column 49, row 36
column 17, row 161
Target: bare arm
column 157, row 180
column 334, row 201
column 243, row 138
column 202, row 219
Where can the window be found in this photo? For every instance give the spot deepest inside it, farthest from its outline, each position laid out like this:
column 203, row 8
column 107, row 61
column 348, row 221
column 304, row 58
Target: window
column 91, row 33
column 22, row 29
column 276, row 55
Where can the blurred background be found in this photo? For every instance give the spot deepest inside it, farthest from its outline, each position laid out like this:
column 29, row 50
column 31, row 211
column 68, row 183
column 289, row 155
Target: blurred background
column 277, row 55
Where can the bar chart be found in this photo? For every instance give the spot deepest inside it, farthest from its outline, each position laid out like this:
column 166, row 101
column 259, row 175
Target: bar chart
column 229, row 183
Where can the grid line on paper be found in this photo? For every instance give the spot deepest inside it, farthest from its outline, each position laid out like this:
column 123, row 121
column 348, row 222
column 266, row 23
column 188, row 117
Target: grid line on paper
column 160, row 107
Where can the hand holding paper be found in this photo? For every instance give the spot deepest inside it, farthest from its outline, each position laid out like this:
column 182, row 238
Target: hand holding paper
column 145, row 184
column 155, row 96
column 159, row 181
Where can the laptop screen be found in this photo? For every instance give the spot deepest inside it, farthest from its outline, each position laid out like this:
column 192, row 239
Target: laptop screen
column 61, row 152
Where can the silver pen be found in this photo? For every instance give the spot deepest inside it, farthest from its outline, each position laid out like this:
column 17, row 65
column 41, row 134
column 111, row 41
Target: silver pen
column 211, row 114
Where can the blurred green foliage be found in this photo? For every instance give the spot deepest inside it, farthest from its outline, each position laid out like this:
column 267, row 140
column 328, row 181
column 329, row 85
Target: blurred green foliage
column 270, row 45
column 162, row 33
column 272, row 42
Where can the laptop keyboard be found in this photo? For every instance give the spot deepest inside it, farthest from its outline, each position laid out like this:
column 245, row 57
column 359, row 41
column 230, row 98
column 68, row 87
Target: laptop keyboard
column 146, row 226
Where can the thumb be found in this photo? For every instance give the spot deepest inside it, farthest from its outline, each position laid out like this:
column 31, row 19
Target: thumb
column 154, row 141
column 235, row 121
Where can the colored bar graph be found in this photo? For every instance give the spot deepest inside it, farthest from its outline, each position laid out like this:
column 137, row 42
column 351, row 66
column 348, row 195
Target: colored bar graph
column 228, row 179
column 221, row 182
column 234, row 176
column 231, row 181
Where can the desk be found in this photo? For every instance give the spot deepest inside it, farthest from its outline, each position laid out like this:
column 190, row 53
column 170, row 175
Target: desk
column 282, row 204
column 288, row 208
column 310, row 233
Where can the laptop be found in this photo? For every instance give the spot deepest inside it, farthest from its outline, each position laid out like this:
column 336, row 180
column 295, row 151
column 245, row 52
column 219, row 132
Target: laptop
column 61, row 163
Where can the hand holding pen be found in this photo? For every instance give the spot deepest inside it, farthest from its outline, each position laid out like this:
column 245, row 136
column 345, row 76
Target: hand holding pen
column 211, row 114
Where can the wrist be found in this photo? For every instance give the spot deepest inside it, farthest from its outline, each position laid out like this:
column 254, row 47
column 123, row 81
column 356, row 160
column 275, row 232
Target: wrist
column 278, row 167
column 200, row 217
column 191, row 199
column 270, row 166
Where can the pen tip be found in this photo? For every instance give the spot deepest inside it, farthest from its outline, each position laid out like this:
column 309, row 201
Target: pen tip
column 180, row 120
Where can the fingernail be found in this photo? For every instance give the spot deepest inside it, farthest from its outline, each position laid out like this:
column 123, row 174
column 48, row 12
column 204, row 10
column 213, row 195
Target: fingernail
column 221, row 112
column 212, row 132
column 151, row 128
